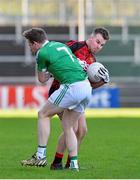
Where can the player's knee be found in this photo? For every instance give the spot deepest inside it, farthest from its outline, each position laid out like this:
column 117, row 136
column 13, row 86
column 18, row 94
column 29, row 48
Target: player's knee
column 41, row 114
column 82, row 132
column 65, row 126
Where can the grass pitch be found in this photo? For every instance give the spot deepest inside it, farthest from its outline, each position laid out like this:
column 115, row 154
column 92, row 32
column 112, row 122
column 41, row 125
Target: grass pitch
column 111, row 149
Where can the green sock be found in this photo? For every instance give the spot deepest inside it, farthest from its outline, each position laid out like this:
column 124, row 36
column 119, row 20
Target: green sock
column 73, row 158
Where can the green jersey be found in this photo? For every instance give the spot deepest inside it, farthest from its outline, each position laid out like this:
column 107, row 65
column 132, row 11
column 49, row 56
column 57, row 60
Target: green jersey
column 58, row 59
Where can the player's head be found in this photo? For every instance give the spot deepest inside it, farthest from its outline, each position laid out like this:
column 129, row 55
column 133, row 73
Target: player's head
column 36, row 37
column 98, row 39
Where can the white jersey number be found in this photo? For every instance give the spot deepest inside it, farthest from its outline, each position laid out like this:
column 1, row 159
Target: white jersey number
column 66, row 50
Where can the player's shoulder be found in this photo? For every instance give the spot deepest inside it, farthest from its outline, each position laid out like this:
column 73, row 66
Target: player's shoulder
column 55, row 43
column 43, row 51
column 41, row 54
column 71, row 42
column 76, row 45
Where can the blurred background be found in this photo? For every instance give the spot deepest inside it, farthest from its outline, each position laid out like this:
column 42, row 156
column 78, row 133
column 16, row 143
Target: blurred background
column 64, row 20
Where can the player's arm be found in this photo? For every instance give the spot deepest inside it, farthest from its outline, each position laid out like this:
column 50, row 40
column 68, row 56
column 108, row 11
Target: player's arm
column 97, row 84
column 42, row 72
column 72, row 45
column 104, row 75
column 43, row 76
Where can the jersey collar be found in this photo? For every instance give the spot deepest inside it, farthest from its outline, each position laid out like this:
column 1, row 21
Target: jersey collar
column 46, row 42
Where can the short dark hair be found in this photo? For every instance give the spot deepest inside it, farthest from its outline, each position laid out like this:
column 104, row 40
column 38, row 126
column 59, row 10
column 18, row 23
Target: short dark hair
column 35, row 34
column 103, row 31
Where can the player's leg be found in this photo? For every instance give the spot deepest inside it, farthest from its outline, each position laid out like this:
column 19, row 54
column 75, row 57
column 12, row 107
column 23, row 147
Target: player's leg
column 44, row 121
column 39, row 158
column 57, row 162
column 81, row 130
column 85, row 92
column 61, row 147
column 75, row 128
column 68, row 120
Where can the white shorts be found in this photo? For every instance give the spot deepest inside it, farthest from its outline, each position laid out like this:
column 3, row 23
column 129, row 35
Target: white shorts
column 74, row 96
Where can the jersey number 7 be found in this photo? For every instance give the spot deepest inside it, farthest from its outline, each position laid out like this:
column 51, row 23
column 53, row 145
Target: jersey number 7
column 66, row 50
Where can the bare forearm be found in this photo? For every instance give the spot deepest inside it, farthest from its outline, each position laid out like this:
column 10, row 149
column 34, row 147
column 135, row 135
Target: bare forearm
column 97, row 84
column 43, row 76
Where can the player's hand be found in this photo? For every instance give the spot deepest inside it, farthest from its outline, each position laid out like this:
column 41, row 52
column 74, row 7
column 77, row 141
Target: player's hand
column 83, row 64
column 47, row 75
column 104, row 74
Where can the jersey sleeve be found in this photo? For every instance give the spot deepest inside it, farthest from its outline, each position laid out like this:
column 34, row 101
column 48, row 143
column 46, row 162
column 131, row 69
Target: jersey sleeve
column 41, row 62
column 73, row 45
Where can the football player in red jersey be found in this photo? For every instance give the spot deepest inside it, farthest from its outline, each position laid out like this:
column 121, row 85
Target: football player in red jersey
column 85, row 51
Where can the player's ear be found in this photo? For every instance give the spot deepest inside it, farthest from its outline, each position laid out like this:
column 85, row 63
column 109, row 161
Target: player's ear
column 34, row 42
column 92, row 37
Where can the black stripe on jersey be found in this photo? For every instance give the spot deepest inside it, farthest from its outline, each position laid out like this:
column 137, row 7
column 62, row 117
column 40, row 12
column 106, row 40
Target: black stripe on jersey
column 76, row 46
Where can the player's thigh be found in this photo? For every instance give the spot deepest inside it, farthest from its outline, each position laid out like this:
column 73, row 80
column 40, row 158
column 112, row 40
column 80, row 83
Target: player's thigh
column 69, row 118
column 50, row 109
column 77, row 124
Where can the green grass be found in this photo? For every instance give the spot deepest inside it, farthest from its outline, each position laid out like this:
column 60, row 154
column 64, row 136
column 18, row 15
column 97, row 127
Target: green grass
column 111, row 149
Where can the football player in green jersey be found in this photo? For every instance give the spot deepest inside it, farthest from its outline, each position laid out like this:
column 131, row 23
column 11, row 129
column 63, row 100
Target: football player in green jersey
column 71, row 98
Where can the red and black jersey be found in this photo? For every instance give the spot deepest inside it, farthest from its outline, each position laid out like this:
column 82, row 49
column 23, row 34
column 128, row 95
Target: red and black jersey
column 81, row 51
